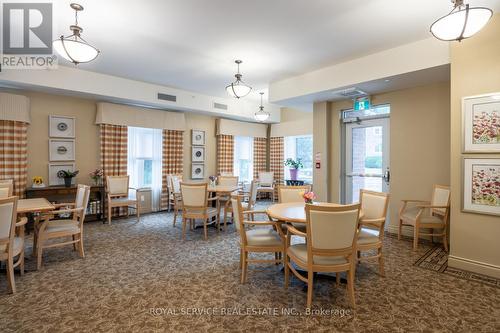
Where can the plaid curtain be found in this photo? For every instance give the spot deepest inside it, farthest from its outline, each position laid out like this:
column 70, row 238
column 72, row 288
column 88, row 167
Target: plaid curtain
column 225, row 151
column 14, row 154
column 114, row 154
column 259, row 156
column 277, row 155
column 172, row 160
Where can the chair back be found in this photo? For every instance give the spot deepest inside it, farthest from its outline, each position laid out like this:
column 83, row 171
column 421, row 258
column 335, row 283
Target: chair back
column 174, row 183
column 5, row 190
column 441, row 197
column 82, row 201
column 252, row 198
column 238, row 218
column 266, row 178
column 8, row 216
column 331, row 228
column 117, row 185
column 194, row 195
column 374, row 206
column 227, row 180
column 288, row 194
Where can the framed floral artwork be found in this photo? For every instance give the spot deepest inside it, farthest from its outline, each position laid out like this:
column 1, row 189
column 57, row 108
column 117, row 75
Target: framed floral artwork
column 198, row 137
column 61, row 127
column 197, row 171
column 61, row 150
column 197, row 154
column 481, row 124
column 481, row 185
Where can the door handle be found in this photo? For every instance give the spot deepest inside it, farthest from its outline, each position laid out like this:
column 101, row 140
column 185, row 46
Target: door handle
column 387, row 176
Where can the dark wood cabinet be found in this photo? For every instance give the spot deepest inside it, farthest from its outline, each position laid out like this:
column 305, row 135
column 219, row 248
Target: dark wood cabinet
column 60, row 194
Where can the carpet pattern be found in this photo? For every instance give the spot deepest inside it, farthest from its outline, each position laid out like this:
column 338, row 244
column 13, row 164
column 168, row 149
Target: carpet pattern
column 141, row 277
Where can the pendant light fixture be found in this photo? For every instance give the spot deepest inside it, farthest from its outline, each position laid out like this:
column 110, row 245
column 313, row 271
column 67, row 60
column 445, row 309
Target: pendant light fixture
column 462, row 22
column 238, row 88
column 261, row 115
column 73, row 47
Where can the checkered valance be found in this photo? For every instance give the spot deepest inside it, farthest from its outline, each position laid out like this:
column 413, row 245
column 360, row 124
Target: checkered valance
column 225, row 151
column 172, row 160
column 14, row 153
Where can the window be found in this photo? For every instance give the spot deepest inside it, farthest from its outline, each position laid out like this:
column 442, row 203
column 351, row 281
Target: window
column 300, row 147
column 144, row 160
column 243, row 158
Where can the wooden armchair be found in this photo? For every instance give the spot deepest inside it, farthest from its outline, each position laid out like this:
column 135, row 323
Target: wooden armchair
column 117, row 191
column 255, row 240
column 195, row 205
column 174, row 194
column 413, row 213
column 266, row 183
column 11, row 246
column 371, row 226
column 248, row 200
column 331, row 245
column 292, row 193
column 47, row 229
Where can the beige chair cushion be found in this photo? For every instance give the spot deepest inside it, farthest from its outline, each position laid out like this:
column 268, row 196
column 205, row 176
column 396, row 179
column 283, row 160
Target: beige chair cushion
column 211, row 211
column 263, row 237
column 300, row 251
column 410, row 213
column 409, row 216
column 368, row 237
column 18, row 246
column 66, row 226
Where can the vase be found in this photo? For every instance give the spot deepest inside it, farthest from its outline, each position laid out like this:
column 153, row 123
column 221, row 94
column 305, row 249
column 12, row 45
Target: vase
column 67, row 181
column 293, row 174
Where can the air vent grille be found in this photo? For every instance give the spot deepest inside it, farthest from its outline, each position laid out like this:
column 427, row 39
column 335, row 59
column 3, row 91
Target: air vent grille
column 220, row 106
column 167, row 97
column 350, row 92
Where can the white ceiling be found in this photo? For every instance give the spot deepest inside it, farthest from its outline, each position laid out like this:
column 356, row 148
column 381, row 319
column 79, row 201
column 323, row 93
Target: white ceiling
column 191, row 44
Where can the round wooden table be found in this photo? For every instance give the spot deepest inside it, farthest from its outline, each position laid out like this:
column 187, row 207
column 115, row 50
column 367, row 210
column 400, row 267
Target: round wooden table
column 288, row 212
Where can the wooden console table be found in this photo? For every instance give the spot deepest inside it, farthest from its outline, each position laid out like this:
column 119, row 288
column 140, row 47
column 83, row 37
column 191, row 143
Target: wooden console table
column 61, row 194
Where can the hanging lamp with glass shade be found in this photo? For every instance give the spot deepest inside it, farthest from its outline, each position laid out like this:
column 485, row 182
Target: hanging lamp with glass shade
column 73, row 47
column 261, row 115
column 238, row 88
column 462, row 22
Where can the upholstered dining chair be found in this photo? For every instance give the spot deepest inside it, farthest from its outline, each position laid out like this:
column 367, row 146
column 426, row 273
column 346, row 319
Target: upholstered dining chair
column 288, row 194
column 429, row 215
column 225, row 200
column 331, row 235
column 195, row 205
column 48, row 229
column 266, row 181
column 117, row 190
column 256, row 240
column 11, row 246
column 248, row 200
column 371, row 226
column 174, row 194
column 6, row 189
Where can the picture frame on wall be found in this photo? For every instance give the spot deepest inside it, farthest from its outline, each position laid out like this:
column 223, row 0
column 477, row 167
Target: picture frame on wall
column 197, row 171
column 197, row 137
column 481, row 123
column 197, row 154
column 62, row 127
column 481, row 185
column 55, row 169
column 61, row 150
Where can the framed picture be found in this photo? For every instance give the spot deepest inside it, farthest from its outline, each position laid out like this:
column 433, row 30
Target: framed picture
column 61, row 127
column 198, row 154
column 481, row 124
column 481, row 185
column 55, row 169
column 61, row 150
column 198, row 137
column 197, row 171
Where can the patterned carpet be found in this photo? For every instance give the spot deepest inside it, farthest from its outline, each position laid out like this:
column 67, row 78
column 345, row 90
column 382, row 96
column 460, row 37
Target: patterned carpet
column 140, row 277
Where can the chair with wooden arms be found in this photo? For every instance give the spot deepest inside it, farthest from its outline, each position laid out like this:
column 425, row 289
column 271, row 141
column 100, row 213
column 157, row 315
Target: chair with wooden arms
column 225, row 200
column 174, row 190
column 256, row 240
column 195, row 205
column 266, row 181
column 117, row 190
column 371, row 226
column 248, row 200
column 330, row 247
column 288, row 194
column 48, row 229
column 429, row 215
column 11, row 246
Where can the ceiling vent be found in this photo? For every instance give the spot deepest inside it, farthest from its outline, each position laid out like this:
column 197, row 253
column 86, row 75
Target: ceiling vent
column 350, row 93
column 166, row 97
column 220, row 106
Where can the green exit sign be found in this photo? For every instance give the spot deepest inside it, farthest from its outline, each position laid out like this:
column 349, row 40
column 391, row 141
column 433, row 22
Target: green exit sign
column 362, row 103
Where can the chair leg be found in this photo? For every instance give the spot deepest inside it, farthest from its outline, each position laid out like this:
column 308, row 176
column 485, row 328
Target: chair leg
column 244, row 267
column 241, row 258
column 350, row 286
column 21, row 261
column 184, row 221
column 399, row 229
column 80, row 246
column 445, row 241
column 276, row 258
column 381, row 268
column 10, row 275
column 205, row 231
column 39, row 255
column 175, row 215
column 415, row 238
column 310, row 288
column 287, row 270
column 109, row 214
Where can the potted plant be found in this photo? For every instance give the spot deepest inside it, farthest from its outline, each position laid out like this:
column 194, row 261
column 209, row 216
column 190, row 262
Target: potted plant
column 96, row 176
column 294, row 166
column 68, row 176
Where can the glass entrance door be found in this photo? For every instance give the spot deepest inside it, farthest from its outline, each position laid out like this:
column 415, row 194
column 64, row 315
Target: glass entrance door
column 366, row 157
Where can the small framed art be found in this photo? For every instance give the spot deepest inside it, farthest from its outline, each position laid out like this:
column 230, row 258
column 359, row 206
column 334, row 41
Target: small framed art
column 55, row 169
column 197, row 137
column 481, row 124
column 61, row 150
column 481, row 185
column 197, row 154
column 197, row 171
column 61, row 127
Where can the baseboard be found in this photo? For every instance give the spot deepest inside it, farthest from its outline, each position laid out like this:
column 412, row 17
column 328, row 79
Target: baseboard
column 474, row 266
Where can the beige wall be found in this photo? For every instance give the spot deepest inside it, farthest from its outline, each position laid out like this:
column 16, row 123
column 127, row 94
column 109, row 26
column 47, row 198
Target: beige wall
column 475, row 70
column 419, row 143
column 293, row 122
